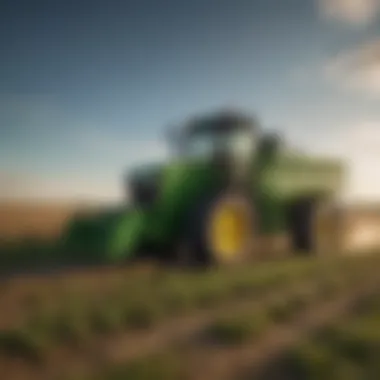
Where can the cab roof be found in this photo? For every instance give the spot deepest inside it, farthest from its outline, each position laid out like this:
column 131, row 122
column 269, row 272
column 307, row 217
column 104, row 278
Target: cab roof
column 224, row 121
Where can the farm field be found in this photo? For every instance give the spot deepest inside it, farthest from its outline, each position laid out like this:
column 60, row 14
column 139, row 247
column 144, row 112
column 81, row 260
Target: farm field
column 168, row 209
column 20, row 219
column 141, row 321
column 348, row 349
column 148, row 323
column 29, row 232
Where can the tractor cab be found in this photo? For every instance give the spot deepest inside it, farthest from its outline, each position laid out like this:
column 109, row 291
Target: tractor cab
column 228, row 139
column 225, row 134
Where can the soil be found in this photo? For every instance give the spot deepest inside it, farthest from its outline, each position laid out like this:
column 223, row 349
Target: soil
column 248, row 361
column 208, row 362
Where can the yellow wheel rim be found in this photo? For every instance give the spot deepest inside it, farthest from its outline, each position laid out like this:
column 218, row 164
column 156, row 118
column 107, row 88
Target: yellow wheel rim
column 230, row 230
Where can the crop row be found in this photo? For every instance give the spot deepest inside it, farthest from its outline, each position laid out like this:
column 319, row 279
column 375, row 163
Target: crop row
column 80, row 321
column 346, row 350
column 239, row 329
column 77, row 318
column 172, row 292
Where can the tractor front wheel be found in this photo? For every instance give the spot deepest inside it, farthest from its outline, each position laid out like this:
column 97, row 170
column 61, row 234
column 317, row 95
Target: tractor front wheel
column 220, row 231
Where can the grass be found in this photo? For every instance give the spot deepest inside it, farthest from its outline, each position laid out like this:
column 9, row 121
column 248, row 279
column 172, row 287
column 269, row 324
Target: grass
column 70, row 328
column 280, row 311
column 344, row 351
column 352, row 358
column 357, row 340
column 28, row 254
column 141, row 316
column 237, row 329
column 79, row 315
column 311, row 360
column 249, row 325
column 308, row 361
column 167, row 366
column 104, row 321
column 21, row 344
column 161, row 367
column 174, row 294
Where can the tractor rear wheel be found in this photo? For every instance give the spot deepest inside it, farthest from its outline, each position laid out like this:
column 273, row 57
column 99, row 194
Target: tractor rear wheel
column 220, row 231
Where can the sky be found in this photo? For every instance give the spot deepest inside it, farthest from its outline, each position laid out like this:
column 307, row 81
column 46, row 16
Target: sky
column 87, row 87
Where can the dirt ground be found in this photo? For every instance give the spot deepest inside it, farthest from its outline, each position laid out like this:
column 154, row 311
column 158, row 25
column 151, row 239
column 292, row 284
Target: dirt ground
column 20, row 296
column 35, row 220
column 181, row 333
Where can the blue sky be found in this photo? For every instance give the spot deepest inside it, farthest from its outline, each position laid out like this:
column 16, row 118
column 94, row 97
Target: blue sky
column 88, row 86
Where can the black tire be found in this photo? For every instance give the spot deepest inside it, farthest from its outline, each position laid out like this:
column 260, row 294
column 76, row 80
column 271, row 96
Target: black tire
column 195, row 248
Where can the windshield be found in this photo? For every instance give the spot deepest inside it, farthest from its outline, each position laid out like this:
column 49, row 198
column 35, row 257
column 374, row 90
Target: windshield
column 239, row 143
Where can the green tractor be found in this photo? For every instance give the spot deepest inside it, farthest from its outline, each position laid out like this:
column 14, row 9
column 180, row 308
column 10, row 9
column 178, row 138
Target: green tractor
column 230, row 192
